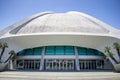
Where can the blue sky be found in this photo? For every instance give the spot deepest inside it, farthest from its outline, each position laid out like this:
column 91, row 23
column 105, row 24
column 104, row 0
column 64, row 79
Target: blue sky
column 12, row 11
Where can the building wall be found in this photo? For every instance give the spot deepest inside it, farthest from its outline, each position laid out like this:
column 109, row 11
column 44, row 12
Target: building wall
column 19, row 42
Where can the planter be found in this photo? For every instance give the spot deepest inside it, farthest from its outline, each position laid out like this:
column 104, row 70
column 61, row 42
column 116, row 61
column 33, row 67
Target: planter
column 117, row 67
column 2, row 66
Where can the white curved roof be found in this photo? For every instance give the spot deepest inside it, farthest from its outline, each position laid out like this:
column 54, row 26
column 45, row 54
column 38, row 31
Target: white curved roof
column 60, row 22
column 47, row 28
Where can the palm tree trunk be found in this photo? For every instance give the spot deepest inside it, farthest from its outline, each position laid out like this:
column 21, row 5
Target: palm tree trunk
column 118, row 51
column 3, row 49
column 114, row 59
column 8, row 59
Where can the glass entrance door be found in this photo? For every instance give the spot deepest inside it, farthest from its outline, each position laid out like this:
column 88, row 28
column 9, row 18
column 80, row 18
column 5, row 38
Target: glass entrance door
column 70, row 64
column 28, row 64
column 91, row 64
column 59, row 64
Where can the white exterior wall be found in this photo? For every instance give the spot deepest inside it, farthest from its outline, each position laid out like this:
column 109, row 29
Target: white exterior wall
column 20, row 42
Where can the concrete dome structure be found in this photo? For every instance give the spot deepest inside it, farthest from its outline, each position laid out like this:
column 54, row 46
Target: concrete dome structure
column 59, row 31
column 60, row 22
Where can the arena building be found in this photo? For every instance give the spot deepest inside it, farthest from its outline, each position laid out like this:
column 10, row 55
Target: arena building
column 60, row 41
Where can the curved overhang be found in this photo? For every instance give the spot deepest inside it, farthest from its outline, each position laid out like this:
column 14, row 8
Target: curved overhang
column 58, row 33
column 96, row 41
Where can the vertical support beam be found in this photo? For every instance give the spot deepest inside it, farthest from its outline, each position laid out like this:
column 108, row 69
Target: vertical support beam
column 42, row 59
column 28, row 65
column 66, row 65
column 11, row 64
column 52, row 65
column 14, row 64
column 76, row 59
column 23, row 65
column 59, row 64
column 34, row 62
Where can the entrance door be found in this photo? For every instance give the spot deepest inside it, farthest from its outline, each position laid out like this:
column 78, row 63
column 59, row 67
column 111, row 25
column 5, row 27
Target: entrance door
column 59, row 64
column 70, row 64
column 91, row 64
column 28, row 64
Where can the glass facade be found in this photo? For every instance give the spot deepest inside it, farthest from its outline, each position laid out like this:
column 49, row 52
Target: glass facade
column 59, row 64
column 81, row 51
column 22, row 52
column 31, row 51
column 65, row 63
column 37, row 51
column 60, row 50
column 91, row 64
column 89, row 51
column 28, row 64
column 69, row 50
column 50, row 50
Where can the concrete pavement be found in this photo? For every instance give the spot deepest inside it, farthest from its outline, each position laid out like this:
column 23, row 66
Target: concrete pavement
column 32, row 75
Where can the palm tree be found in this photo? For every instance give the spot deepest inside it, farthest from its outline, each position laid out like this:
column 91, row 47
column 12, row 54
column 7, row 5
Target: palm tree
column 116, row 46
column 3, row 46
column 0, row 45
column 12, row 55
column 110, row 54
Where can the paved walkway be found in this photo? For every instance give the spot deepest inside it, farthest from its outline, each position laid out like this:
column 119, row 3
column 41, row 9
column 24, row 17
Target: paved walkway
column 31, row 75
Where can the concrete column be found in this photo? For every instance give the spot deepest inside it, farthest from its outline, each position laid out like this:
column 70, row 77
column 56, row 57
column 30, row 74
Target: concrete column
column 76, row 59
column 52, row 64
column 42, row 59
column 66, row 65
column 14, row 65
column 59, row 64
column 11, row 64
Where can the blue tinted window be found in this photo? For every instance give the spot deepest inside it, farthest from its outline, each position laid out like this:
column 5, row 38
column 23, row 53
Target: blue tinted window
column 90, row 52
column 81, row 51
column 100, row 53
column 22, row 52
column 38, row 51
column 50, row 50
column 69, row 50
column 29, row 52
column 59, row 50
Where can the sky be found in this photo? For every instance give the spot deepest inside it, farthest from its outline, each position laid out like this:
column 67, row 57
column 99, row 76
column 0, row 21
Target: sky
column 12, row 11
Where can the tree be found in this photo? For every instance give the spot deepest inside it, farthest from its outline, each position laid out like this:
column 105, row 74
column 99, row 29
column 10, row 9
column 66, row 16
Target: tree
column 116, row 46
column 3, row 46
column 12, row 55
column 110, row 54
